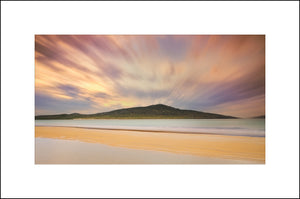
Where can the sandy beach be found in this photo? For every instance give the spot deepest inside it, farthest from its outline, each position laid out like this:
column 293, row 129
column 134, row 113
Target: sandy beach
column 240, row 148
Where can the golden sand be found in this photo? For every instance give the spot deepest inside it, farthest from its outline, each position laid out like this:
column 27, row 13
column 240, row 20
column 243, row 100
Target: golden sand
column 206, row 145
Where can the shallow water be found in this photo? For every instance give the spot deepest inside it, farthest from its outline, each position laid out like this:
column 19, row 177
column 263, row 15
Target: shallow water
column 241, row 127
column 56, row 151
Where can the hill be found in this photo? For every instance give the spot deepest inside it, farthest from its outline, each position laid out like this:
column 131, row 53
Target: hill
column 158, row 111
column 259, row 117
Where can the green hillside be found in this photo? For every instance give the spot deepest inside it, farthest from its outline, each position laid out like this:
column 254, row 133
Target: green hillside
column 158, row 111
column 259, row 117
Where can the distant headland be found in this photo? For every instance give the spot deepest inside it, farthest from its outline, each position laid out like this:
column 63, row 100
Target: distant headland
column 158, row 111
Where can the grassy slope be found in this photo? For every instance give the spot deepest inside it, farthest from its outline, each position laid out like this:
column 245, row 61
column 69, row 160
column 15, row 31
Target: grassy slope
column 259, row 117
column 158, row 111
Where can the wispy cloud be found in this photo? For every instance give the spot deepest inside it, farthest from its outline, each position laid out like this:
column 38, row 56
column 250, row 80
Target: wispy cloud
column 93, row 73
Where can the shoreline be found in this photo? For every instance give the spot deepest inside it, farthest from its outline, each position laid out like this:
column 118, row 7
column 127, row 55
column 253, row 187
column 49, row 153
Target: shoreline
column 142, row 118
column 204, row 145
column 152, row 131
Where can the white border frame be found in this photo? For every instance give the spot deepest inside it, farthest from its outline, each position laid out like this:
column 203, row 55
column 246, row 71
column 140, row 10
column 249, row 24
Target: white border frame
column 279, row 21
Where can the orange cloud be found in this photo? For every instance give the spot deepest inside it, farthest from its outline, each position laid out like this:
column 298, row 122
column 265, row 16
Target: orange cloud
column 202, row 72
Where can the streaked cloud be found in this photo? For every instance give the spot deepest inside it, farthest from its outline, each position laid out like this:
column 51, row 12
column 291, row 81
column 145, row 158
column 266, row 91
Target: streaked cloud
column 94, row 73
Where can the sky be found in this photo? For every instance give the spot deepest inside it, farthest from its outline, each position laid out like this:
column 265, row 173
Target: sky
column 222, row 74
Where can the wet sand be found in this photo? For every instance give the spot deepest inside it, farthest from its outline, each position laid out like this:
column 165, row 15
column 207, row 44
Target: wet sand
column 210, row 148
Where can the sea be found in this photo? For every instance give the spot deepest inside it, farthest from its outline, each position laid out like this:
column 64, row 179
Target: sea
column 234, row 127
